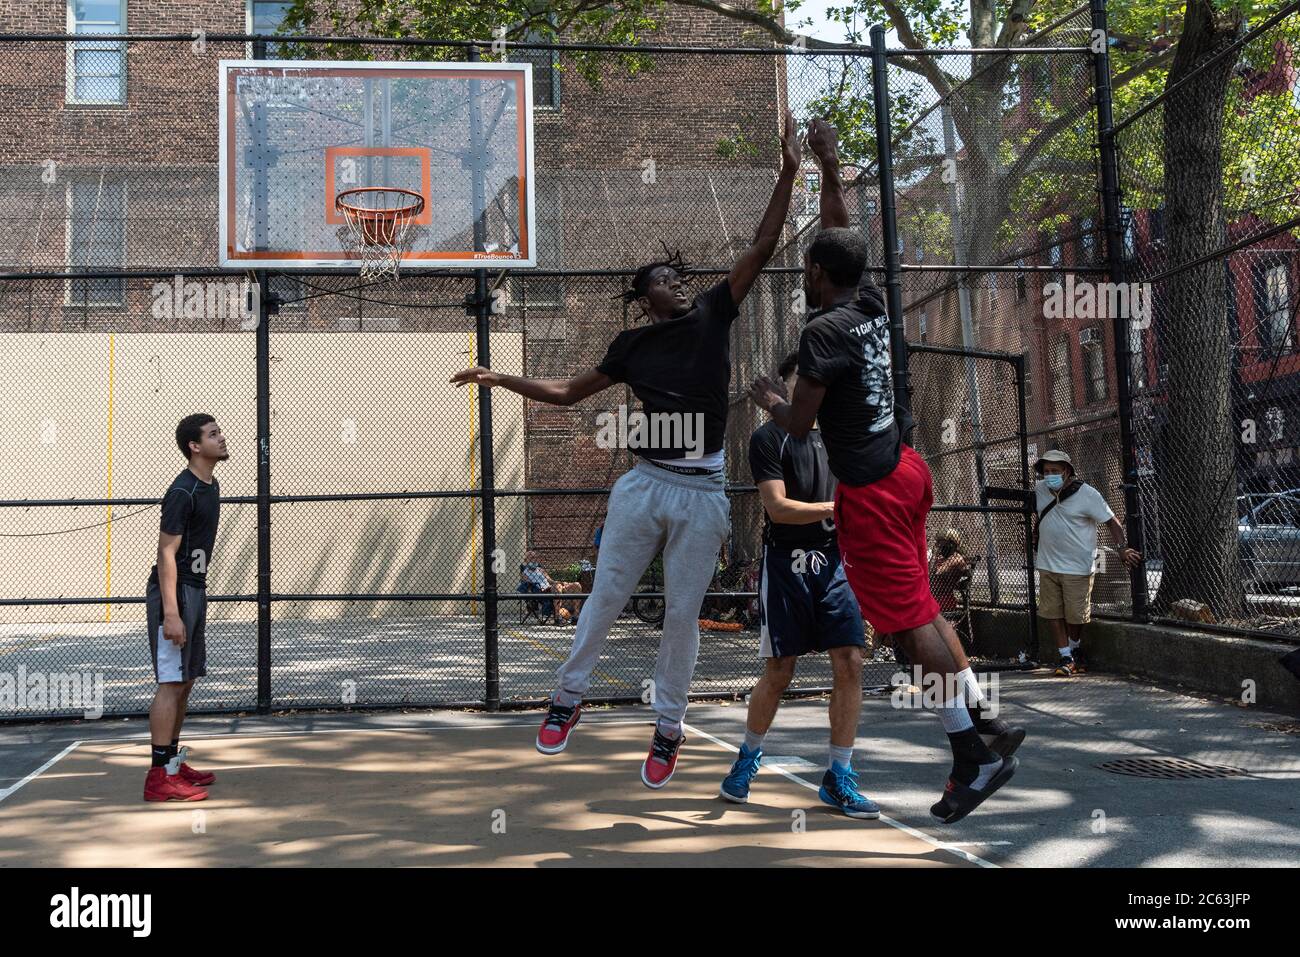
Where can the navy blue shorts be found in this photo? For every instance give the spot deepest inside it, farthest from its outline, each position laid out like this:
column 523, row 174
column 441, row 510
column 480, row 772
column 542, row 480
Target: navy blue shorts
column 805, row 603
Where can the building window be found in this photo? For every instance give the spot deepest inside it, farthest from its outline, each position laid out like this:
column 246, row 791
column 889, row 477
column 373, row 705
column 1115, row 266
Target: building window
column 1062, row 389
column 1157, row 221
column 96, row 240
column 922, row 324
column 1273, row 307
column 96, row 68
column 1087, row 242
column 1054, row 258
column 546, row 70
column 1274, row 423
column 812, row 183
column 1022, row 291
column 543, row 292
column 1137, row 362
column 1127, row 219
column 266, row 18
column 1091, row 341
column 287, row 290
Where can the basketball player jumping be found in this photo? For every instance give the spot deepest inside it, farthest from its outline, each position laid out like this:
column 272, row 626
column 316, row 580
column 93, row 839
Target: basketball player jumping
column 885, row 491
column 673, row 500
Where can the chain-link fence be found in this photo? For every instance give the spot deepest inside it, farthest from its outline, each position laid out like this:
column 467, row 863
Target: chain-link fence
column 1210, row 224
column 365, row 557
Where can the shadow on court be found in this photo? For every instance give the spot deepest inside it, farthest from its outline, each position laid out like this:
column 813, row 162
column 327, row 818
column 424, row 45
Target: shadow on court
column 439, row 795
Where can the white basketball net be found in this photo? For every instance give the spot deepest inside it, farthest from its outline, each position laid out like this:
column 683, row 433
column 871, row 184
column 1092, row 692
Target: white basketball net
column 380, row 226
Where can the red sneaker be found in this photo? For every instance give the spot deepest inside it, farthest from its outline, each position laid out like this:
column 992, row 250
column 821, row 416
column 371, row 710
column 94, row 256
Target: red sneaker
column 658, row 767
column 161, row 786
column 200, row 779
column 553, row 736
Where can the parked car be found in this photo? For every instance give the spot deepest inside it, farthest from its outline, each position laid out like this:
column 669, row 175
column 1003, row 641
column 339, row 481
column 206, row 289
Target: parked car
column 1268, row 532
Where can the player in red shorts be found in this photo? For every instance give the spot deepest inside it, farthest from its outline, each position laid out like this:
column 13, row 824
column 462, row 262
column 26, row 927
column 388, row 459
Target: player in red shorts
column 884, row 495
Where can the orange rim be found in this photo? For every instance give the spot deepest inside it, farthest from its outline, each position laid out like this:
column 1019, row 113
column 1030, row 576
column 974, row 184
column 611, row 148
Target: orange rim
column 414, row 208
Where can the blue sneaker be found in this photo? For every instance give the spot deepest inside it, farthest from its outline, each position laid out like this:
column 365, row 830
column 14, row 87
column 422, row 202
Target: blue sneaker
column 840, row 789
column 735, row 786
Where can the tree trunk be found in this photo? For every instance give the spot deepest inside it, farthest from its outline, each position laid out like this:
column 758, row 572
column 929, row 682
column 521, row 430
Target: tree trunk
column 1197, row 485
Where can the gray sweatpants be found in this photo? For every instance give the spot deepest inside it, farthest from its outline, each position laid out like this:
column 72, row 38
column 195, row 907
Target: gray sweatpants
column 651, row 509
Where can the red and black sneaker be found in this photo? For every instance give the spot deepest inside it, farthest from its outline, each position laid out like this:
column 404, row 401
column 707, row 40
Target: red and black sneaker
column 658, row 767
column 200, row 779
column 553, row 736
column 161, row 786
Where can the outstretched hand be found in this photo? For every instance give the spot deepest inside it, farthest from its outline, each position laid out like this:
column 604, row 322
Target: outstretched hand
column 823, row 140
column 791, row 143
column 478, row 375
column 766, row 392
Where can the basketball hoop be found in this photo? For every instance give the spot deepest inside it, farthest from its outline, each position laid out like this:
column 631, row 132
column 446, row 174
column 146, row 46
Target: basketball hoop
column 380, row 225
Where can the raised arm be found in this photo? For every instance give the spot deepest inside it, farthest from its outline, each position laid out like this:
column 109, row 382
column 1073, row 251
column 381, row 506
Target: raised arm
column 553, row 391
column 823, row 140
column 753, row 259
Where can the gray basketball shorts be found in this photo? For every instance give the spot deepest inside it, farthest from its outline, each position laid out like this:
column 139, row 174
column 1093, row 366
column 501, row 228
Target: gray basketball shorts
column 169, row 662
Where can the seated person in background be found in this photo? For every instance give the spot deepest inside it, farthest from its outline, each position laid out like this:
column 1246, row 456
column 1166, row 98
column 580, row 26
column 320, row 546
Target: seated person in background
column 947, row 568
column 534, row 580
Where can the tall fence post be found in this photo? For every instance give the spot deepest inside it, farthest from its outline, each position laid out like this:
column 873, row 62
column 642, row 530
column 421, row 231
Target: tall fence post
column 487, row 473
column 1110, row 208
column 1031, row 593
column 263, row 363
column 888, row 213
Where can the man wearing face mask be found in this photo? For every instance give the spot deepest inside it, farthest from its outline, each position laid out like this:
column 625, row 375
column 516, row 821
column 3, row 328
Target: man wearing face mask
column 1065, row 537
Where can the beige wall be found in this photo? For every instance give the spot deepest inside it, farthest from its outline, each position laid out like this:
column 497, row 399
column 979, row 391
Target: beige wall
column 354, row 411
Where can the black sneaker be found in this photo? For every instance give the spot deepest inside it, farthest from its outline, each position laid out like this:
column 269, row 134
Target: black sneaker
column 958, row 800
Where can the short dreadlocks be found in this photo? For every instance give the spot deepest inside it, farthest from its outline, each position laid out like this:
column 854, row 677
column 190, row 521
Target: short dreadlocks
column 641, row 281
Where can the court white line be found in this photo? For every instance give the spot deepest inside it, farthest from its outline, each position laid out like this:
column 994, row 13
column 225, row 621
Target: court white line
column 217, row 735
column 906, row 829
column 5, row 792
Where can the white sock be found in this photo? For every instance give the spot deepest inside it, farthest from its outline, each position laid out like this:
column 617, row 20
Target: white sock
column 967, row 681
column 753, row 740
column 986, row 773
column 669, row 729
column 954, row 716
column 1065, row 652
column 1074, row 642
column 841, row 756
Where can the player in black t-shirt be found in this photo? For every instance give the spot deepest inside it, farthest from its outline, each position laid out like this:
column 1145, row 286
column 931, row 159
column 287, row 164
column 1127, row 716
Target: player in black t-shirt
column 805, row 605
column 674, row 499
column 885, row 491
column 176, row 606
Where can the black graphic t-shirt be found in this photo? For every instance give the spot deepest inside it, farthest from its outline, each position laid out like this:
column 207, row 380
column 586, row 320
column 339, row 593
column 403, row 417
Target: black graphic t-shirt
column 774, row 454
column 862, row 417
column 681, row 366
column 190, row 509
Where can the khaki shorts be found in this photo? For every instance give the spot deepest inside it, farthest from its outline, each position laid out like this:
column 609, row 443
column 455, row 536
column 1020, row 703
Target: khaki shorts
column 1065, row 596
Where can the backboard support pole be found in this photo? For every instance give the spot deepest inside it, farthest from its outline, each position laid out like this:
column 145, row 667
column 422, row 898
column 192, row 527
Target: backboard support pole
column 482, row 332
column 263, row 364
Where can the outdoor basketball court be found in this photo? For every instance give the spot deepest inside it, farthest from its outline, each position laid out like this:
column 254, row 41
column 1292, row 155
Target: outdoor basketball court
column 465, row 790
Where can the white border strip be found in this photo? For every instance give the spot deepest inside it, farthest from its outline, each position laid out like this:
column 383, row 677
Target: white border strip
column 920, row 835
column 5, row 792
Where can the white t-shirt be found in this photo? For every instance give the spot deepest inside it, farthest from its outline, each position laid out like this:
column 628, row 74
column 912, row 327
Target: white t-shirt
column 1067, row 537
